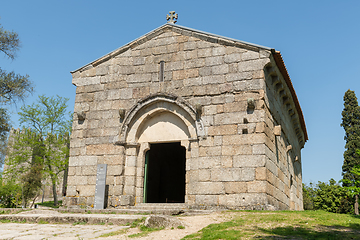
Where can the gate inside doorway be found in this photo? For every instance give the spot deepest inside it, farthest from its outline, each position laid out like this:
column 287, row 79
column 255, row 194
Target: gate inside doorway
column 164, row 177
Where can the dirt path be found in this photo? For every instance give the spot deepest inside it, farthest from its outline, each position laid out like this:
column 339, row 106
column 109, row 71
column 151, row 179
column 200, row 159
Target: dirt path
column 192, row 225
column 69, row 231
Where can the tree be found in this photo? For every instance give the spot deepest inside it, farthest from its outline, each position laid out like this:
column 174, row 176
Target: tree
column 308, row 196
column 351, row 125
column 24, row 162
column 48, row 141
column 4, row 129
column 332, row 197
column 13, row 87
column 10, row 194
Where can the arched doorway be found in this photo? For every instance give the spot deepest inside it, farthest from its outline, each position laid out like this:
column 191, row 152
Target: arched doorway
column 164, row 177
column 157, row 134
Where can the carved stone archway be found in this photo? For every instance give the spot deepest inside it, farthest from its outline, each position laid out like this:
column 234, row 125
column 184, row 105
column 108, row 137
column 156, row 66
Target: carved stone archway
column 157, row 118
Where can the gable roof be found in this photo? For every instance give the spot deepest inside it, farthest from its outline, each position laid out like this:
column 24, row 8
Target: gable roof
column 181, row 30
column 210, row 37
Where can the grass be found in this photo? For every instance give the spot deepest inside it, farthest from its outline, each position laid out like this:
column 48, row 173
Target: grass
column 50, row 204
column 79, row 223
column 138, row 223
column 4, row 211
column 144, row 231
column 114, row 233
column 282, row 225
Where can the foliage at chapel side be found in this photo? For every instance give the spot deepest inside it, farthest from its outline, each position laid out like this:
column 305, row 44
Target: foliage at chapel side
column 42, row 146
column 351, row 125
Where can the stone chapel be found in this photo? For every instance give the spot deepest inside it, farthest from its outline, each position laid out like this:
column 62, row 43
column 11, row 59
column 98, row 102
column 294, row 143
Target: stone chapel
column 185, row 116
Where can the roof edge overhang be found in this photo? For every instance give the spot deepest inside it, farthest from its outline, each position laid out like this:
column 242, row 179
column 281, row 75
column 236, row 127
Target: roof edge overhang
column 177, row 28
column 282, row 68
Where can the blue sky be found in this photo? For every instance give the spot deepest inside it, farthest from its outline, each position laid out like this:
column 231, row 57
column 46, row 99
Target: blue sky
column 319, row 41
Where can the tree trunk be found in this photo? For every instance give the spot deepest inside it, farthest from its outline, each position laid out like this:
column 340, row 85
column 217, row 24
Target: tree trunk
column 356, row 206
column 54, row 193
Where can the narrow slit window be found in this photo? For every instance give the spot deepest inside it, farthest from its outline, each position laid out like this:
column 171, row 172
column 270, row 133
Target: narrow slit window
column 161, row 73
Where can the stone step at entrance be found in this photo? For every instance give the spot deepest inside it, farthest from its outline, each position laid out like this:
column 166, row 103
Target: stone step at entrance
column 154, row 206
column 161, row 208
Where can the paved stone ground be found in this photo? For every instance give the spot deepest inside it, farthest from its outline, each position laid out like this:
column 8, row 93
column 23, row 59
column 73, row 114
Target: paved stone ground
column 54, row 231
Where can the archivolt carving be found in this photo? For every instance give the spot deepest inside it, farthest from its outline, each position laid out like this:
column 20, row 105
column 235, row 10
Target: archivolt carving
column 156, row 103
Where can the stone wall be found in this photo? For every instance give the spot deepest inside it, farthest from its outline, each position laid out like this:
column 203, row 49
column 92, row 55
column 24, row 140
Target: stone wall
column 236, row 162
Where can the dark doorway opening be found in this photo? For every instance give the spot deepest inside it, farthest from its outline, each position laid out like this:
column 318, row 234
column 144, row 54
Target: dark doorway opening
column 164, row 180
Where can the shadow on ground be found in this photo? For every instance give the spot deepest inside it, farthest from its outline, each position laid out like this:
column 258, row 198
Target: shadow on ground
column 321, row 232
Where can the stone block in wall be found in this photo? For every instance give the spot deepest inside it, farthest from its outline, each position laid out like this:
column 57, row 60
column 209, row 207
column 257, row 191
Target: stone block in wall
column 281, row 175
column 90, row 201
column 249, row 160
column 238, row 76
column 88, row 170
column 219, row 51
column 71, row 171
column 226, row 174
column 192, row 176
column 226, row 161
column 71, row 190
column 271, row 178
column 117, row 190
column 205, row 188
column 102, row 149
column 271, row 166
column 195, row 82
column 91, row 179
column 209, row 141
column 77, row 180
column 78, row 171
column 209, row 151
column 207, row 200
column 208, row 162
column 232, row 150
column 250, row 55
column 129, row 180
column 222, row 130
column 82, row 161
column 130, row 161
column 111, row 159
column 242, row 200
column 126, row 200
column 220, row 69
column 233, row 57
column 204, row 53
column 247, row 174
column 205, row 71
column 260, row 173
column 204, row 175
column 217, row 140
column 258, row 149
column 235, row 107
column 129, row 190
column 114, row 169
column 260, row 127
column 85, row 190
column 235, row 187
column 257, row 186
column 130, row 171
column 109, row 179
column 190, row 199
column 252, row 65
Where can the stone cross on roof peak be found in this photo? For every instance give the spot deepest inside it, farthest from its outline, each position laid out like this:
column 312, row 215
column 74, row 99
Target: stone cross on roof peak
column 172, row 18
